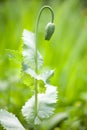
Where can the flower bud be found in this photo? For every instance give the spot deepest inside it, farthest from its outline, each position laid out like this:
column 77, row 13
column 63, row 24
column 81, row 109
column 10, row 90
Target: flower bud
column 49, row 30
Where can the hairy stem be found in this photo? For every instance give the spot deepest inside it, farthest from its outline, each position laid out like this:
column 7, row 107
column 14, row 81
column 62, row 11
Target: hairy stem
column 36, row 57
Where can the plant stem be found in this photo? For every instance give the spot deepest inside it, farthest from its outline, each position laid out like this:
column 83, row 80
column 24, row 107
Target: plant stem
column 36, row 57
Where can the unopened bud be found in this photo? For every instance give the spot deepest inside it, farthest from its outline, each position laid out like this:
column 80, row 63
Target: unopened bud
column 49, row 30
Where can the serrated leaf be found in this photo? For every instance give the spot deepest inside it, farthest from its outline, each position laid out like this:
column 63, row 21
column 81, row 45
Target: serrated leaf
column 44, row 76
column 32, row 73
column 9, row 121
column 29, row 76
column 29, row 50
column 46, row 106
column 29, row 39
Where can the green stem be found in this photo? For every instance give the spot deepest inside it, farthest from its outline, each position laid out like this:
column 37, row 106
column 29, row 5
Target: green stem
column 36, row 56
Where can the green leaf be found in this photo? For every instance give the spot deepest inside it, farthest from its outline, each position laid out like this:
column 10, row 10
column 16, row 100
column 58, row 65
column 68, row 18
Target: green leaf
column 27, row 80
column 32, row 73
column 46, row 106
column 54, row 120
column 28, row 77
column 29, row 50
column 44, row 76
column 57, row 119
column 9, row 121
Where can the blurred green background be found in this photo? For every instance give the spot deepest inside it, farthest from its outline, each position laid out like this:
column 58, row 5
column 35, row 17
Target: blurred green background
column 66, row 52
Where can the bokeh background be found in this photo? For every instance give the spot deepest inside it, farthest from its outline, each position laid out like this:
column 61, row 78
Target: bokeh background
column 66, row 52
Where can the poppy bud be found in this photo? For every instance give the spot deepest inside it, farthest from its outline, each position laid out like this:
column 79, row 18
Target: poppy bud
column 49, row 30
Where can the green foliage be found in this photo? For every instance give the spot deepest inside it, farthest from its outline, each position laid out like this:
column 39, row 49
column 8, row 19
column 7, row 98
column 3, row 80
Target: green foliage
column 67, row 53
column 46, row 101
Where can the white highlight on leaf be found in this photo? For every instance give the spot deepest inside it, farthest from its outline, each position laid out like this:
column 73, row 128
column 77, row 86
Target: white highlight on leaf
column 9, row 121
column 29, row 39
column 29, row 50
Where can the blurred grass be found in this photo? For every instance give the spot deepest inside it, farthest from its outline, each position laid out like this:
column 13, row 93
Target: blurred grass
column 66, row 52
